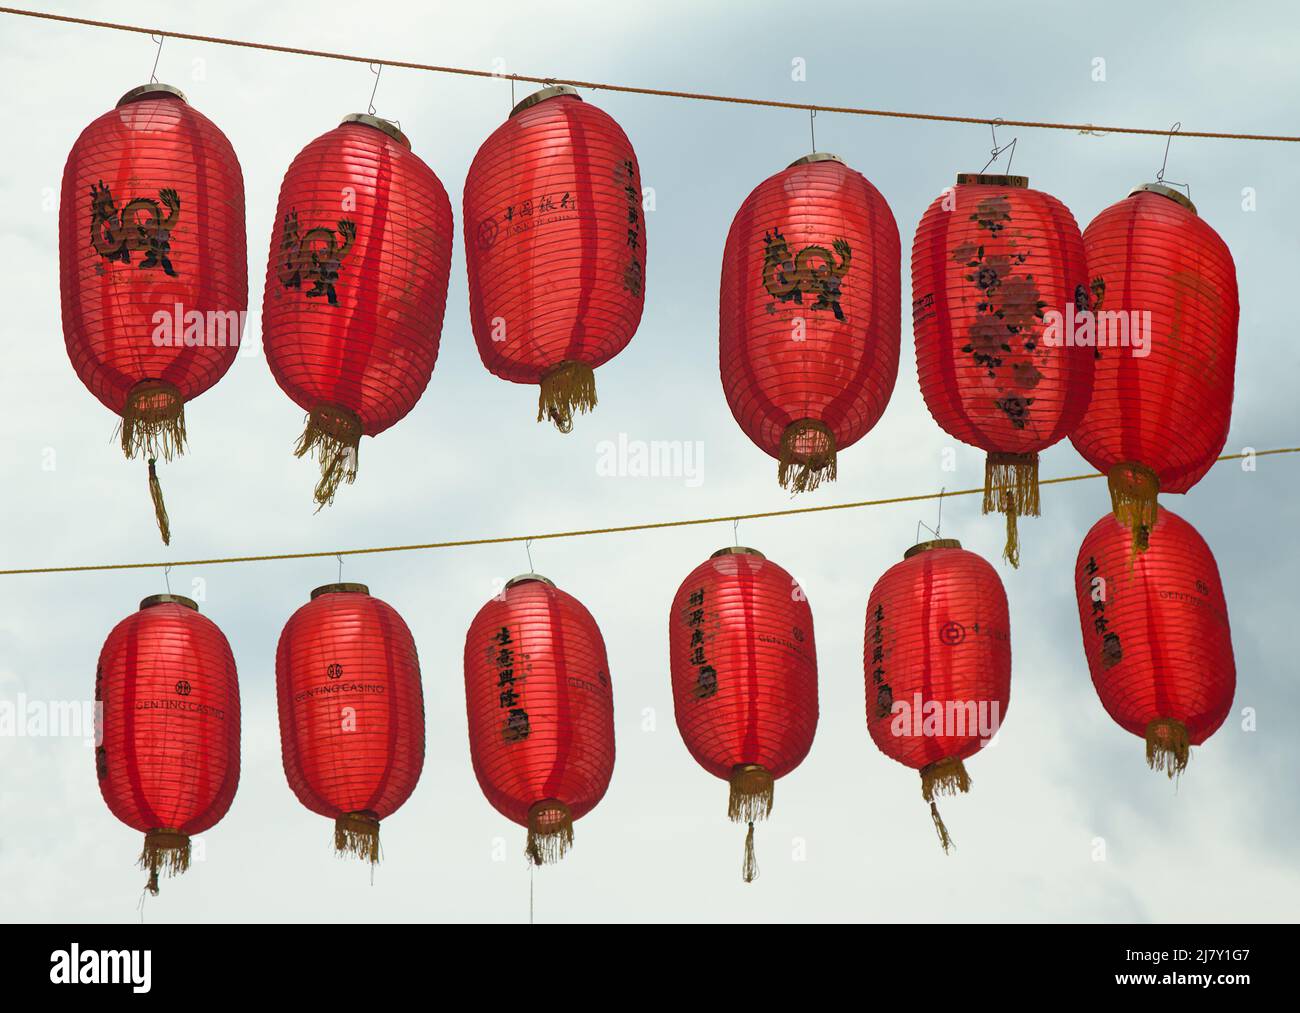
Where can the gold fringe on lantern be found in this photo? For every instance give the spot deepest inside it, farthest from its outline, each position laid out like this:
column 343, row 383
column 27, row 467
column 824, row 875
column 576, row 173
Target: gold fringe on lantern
column 334, row 434
column 159, row 507
column 550, row 832
column 569, row 387
column 153, row 421
column 1011, row 488
column 944, row 777
column 752, row 790
column 1167, row 746
column 166, row 851
column 357, row 833
column 1133, row 491
column 807, row 456
column 749, row 870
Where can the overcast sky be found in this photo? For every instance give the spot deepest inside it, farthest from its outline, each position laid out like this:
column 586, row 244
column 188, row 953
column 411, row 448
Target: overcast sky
column 850, row 837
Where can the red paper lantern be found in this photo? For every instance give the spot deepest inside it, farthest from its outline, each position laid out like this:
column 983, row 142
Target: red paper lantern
column 997, row 269
column 555, row 245
column 938, row 664
column 1160, row 409
column 356, row 285
column 541, row 711
column 809, row 315
column 1155, row 631
column 744, row 671
column 168, row 762
column 155, row 291
column 351, row 712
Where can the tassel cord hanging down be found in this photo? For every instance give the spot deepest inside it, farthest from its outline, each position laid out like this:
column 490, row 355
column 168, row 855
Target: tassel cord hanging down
column 808, row 456
column 333, row 435
column 1011, row 488
column 568, row 388
column 945, row 777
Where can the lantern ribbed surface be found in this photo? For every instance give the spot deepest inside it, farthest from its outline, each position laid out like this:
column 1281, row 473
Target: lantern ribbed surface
column 151, row 221
column 555, row 245
column 744, row 665
column 168, row 764
column 351, row 706
column 1156, row 635
column 991, row 263
column 540, row 706
column 809, row 315
column 356, row 287
column 1170, row 409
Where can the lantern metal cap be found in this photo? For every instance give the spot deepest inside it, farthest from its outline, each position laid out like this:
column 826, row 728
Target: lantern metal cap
column 387, row 126
column 1165, row 191
column 937, row 543
column 165, row 599
column 816, row 156
column 343, row 588
column 737, row 550
column 524, row 578
column 1015, row 182
column 149, row 91
column 541, row 96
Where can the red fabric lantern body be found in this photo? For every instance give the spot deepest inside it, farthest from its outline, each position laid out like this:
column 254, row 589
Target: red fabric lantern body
column 938, row 664
column 809, row 315
column 997, row 269
column 744, row 671
column 351, row 712
column 168, row 762
column 356, row 286
column 1160, row 412
column 555, row 245
column 541, row 711
column 1155, row 630
column 153, row 265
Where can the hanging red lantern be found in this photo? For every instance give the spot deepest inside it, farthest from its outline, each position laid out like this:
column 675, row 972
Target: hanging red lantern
column 1155, row 631
column 155, row 293
column 938, row 664
column 997, row 268
column 809, row 315
column 168, row 758
column 351, row 712
column 1166, row 296
column 541, row 711
column 555, row 245
column 744, row 671
column 356, row 286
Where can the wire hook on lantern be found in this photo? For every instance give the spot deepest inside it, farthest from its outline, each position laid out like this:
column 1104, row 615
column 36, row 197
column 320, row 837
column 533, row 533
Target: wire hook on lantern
column 938, row 521
column 167, row 578
column 1160, row 174
column 375, row 90
column 153, row 74
column 996, row 151
column 812, row 129
column 528, row 548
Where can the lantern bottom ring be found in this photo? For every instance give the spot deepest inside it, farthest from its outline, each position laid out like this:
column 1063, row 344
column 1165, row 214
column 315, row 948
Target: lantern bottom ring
column 550, row 831
column 333, row 433
column 807, row 455
column 357, row 833
column 153, row 421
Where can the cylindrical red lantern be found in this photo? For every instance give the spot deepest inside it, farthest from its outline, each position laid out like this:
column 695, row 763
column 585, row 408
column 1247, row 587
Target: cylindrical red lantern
column 997, row 271
column 351, row 712
column 168, row 758
column 744, row 671
column 938, row 664
column 356, row 286
column 155, row 290
column 541, row 711
column 809, row 317
column 1166, row 307
column 555, row 245
column 1155, row 631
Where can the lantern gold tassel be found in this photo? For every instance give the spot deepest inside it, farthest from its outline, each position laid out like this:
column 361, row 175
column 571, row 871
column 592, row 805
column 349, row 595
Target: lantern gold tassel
column 166, row 851
column 153, row 421
column 334, row 434
column 1011, row 488
column 159, row 507
column 1133, row 491
column 752, row 789
column 944, row 777
column 357, row 833
column 569, row 387
column 749, row 870
column 1167, row 746
column 550, row 832
column 807, row 456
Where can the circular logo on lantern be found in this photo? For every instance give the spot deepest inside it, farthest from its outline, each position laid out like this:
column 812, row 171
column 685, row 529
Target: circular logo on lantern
column 487, row 232
column 334, row 671
column 952, row 633
column 1202, row 587
column 183, row 687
